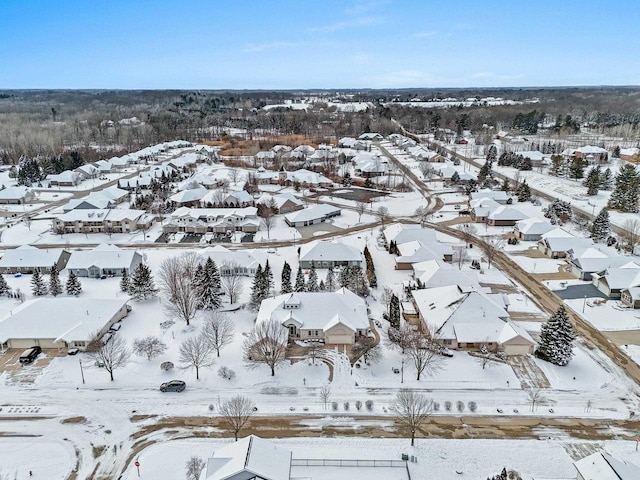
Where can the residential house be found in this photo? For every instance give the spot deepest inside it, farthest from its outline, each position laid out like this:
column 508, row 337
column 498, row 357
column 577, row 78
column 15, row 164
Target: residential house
column 17, row 195
column 631, row 297
column 237, row 262
column 531, row 229
column 284, row 202
column 191, row 197
column 498, row 196
column 313, row 215
column 630, row 154
column 220, row 199
column 104, row 259
column 321, row 156
column 65, row 179
column 591, row 260
column 367, row 165
column 505, row 216
column 336, row 318
column 612, row 281
column 346, row 142
column 302, row 151
column 107, row 198
column 303, row 177
column 185, row 162
column 88, row 171
column 60, row 323
column 558, row 242
column 436, row 273
column 470, row 320
column 113, row 220
column 248, row 458
column 481, row 208
column 417, row 251
column 326, row 254
column 446, row 172
column 536, row 158
column 104, row 166
column 29, row 259
column 370, row 136
column 200, row 180
column 408, row 232
column 602, row 466
column 217, row 220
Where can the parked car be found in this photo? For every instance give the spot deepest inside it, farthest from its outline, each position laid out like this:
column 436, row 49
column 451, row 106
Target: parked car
column 115, row 327
column 30, row 354
column 72, row 351
column 173, row 386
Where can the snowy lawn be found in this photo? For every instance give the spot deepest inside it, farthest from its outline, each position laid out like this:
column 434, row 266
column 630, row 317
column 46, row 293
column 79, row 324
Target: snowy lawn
column 46, row 458
column 610, row 316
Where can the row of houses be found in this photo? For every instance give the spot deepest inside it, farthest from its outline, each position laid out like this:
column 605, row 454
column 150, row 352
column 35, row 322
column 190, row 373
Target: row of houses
column 417, row 151
column 302, row 176
column 102, row 220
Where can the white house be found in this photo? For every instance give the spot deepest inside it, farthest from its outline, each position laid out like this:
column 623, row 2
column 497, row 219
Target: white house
column 218, row 220
column 189, row 197
column 312, row 215
column 60, row 322
column 368, row 165
column 65, row 179
column 505, row 215
column 239, row 262
column 326, row 254
column 104, row 259
column 284, row 202
column 337, row 318
column 16, row 195
column 602, row 466
column 28, row 259
column 497, row 196
column 111, row 220
column 531, row 229
column 248, row 458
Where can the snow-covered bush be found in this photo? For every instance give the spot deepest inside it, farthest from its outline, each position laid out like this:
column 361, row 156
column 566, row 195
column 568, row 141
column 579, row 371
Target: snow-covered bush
column 346, row 405
column 334, row 405
column 227, row 373
column 460, row 405
column 358, row 405
column 436, row 406
column 447, row 406
column 369, row 404
column 473, row 406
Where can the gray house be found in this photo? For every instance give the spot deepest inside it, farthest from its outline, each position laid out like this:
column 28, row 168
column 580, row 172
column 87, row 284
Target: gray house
column 330, row 254
column 103, row 260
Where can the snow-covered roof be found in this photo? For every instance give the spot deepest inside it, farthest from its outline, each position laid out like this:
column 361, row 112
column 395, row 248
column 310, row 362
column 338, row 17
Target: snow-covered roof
column 311, row 213
column 67, row 176
column 506, row 212
column 103, row 256
column 15, row 193
column 249, row 457
column 590, row 149
column 304, row 149
column 557, row 233
column 532, row 155
column 487, row 203
column 408, row 232
column 28, row 256
column 602, row 466
column 306, row 176
column 185, row 160
column 435, row 273
column 630, row 152
column 280, row 199
column 533, row 226
column 198, row 179
column 329, row 251
column 497, row 195
column 97, row 215
column 189, row 196
column 225, row 257
column 368, row 163
column 598, row 264
column 317, row 310
column 62, row 319
column 417, row 251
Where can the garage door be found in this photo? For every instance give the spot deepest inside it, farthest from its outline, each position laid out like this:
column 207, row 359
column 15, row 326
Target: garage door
column 517, row 349
column 339, row 339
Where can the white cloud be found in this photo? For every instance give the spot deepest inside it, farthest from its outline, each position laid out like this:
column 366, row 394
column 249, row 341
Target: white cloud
column 259, row 47
column 356, row 22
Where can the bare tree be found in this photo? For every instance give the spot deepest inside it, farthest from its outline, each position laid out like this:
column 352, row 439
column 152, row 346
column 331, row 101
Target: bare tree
column 218, row 330
column 468, row 231
column 485, row 358
column 361, row 207
column 401, row 337
column 232, row 283
column 236, row 412
column 234, row 175
column 194, row 467
column 424, row 354
column 268, row 219
column 412, row 410
column 174, row 269
column 266, row 344
column 631, row 234
column 313, row 350
column 150, row 347
column 185, row 301
column 460, row 255
column 491, row 247
column 196, row 352
column 383, row 214
column 535, row 396
column 428, row 172
column 325, row 395
column 112, row 355
column 423, row 214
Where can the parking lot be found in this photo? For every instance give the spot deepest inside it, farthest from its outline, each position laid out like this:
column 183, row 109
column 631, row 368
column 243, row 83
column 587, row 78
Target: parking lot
column 10, row 363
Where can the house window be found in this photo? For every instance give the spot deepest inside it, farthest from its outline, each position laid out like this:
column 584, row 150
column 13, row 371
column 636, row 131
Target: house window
column 448, row 341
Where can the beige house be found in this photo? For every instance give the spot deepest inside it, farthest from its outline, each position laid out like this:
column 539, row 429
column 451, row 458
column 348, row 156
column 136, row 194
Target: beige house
column 29, row 259
column 102, row 220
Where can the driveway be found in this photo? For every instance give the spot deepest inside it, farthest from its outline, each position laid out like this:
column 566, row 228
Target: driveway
column 579, row 291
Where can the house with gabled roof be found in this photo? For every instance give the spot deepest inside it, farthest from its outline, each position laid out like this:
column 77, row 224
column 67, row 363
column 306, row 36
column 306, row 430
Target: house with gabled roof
column 231, row 262
column 602, row 466
column 67, row 178
column 327, row 254
column 17, row 195
column 368, row 165
column 29, row 259
column 531, row 229
column 189, row 197
column 504, row 216
column 481, row 208
column 408, row 232
column 284, row 202
column 335, row 318
column 498, row 196
column 370, row 136
column 417, row 251
column 105, row 259
column 463, row 319
column 557, row 243
column 613, row 280
column 312, row 215
column 436, row 273
column 218, row 220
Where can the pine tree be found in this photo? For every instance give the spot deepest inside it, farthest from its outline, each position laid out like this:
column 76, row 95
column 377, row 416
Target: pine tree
column 268, row 278
column 322, row 286
column 38, row 287
column 73, row 285
column 312, row 284
column 55, row 287
column 142, row 284
column 485, row 172
column 606, row 180
column 556, row 339
column 601, row 228
column 560, row 210
column 625, row 195
column 506, row 186
column 371, row 269
column 258, row 289
column 353, row 278
column 524, row 192
column 300, row 285
column 330, row 282
column 576, row 169
column 286, row 279
column 558, row 168
column 125, row 282
column 207, row 283
column 4, row 287
column 455, row 178
column 394, row 312
column 592, row 182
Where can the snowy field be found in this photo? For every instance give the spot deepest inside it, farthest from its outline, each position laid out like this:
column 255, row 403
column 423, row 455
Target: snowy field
column 611, row 316
column 46, row 458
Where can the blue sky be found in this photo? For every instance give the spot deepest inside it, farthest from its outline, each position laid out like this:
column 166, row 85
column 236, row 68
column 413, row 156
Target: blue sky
column 280, row 44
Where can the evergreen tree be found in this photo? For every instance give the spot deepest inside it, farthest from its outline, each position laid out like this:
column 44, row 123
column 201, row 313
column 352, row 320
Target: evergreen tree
column 259, row 288
column 312, row 284
column 506, row 186
column 592, row 182
column 492, row 153
column 557, row 168
column 346, row 179
column 625, row 195
column 523, row 192
column 556, row 339
column 38, row 287
column 560, row 210
column 455, row 178
column 394, row 312
column 208, row 285
column 353, row 278
column 73, row 285
column 322, row 286
column 300, row 285
column 525, row 164
column 4, row 287
column 330, row 282
column 601, row 228
column 371, row 269
column 606, row 180
column 268, row 278
column 576, row 170
column 286, row 279
column 55, row 287
column 125, row 282
column 142, row 285
column 485, row 172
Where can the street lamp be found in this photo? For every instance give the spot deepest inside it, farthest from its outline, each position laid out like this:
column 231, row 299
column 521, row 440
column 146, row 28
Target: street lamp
column 402, row 371
column 584, row 303
column 81, row 370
